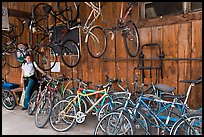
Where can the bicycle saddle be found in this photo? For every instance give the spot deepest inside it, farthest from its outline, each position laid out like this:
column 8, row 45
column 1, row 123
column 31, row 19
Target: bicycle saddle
column 196, row 81
column 165, row 88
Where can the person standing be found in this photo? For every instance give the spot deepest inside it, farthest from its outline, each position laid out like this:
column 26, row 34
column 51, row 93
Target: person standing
column 28, row 78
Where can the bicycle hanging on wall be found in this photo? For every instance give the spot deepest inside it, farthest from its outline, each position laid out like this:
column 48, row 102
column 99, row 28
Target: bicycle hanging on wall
column 128, row 31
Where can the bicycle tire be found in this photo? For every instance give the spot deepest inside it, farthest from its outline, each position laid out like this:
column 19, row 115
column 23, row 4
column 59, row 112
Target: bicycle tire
column 8, row 99
column 32, row 103
column 40, row 112
column 96, row 41
column 131, row 39
column 180, row 126
column 16, row 27
column 55, row 117
column 106, row 108
column 44, row 56
column 15, row 56
column 142, row 127
column 109, row 121
column 70, row 53
column 69, row 11
column 41, row 16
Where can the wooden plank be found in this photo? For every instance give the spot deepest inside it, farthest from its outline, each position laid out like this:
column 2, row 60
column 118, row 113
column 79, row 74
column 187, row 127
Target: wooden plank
column 183, row 52
column 170, row 40
column 156, row 38
column 145, row 37
column 196, row 94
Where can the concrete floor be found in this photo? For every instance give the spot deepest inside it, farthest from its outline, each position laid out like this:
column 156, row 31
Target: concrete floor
column 18, row 122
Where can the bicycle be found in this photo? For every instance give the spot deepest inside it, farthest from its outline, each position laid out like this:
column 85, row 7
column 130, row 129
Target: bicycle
column 37, row 95
column 69, row 49
column 156, row 119
column 93, row 34
column 67, row 112
column 128, row 31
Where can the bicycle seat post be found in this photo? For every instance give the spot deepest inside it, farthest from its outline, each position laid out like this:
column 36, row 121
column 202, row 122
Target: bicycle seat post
column 188, row 92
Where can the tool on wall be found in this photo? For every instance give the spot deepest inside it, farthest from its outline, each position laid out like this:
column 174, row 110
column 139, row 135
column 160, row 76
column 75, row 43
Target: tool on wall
column 142, row 66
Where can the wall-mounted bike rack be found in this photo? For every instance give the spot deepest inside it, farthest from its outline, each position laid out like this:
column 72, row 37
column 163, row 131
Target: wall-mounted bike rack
column 159, row 66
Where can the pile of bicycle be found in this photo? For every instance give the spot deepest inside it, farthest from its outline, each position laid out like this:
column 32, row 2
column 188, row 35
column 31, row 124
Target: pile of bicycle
column 148, row 110
column 52, row 28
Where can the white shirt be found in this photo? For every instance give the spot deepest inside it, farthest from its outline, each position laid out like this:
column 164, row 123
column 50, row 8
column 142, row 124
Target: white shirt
column 28, row 69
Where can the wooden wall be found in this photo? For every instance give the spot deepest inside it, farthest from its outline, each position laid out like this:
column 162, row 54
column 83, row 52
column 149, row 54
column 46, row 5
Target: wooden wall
column 177, row 40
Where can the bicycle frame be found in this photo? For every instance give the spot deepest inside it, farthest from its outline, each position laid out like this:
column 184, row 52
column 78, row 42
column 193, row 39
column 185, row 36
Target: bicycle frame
column 122, row 18
column 156, row 115
column 95, row 11
column 83, row 93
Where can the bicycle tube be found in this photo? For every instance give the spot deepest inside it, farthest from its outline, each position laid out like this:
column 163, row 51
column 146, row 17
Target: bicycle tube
column 131, row 39
column 96, row 41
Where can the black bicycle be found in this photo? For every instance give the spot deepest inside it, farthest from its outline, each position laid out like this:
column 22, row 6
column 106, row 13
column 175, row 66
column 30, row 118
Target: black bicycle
column 69, row 49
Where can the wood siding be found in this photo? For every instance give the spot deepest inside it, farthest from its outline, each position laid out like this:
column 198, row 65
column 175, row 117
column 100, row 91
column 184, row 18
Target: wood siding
column 177, row 40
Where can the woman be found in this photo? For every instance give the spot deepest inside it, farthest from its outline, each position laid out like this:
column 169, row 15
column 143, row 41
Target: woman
column 28, row 78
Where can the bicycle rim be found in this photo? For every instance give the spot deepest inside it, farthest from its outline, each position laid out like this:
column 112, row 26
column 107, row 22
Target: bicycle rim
column 115, row 124
column 32, row 103
column 58, row 121
column 41, row 16
column 8, row 99
column 69, row 11
column 15, row 57
column 16, row 27
column 96, row 42
column 43, row 112
column 131, row 39
column 192, row 125
column 70, row 53
column 45, row 57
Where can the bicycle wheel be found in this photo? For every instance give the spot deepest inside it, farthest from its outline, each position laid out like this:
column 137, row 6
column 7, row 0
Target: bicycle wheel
column 8, row 99
column 41, row 16
column 66, row 93
column 142, row 127
column 69, row 10
column 115, row 123
column 32, row 103
column 106, row 108
column 70, row 53
column 44, row 56
column 188, row 125
column 56, row 97
column 63, row 117
column 16, row 27
column 15, row 57
column 96, row 41
column 43, row 112
column 131, row 39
